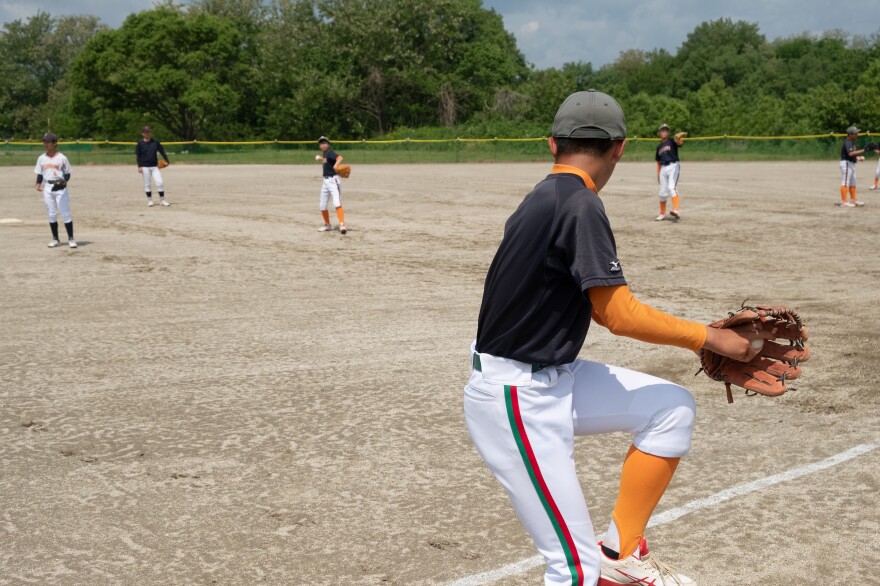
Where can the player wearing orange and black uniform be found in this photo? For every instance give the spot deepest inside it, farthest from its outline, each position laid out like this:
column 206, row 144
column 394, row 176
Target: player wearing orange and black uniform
column 668, row 170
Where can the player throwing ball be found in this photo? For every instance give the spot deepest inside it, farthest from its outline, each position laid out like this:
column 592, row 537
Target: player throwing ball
column 53, row 172
column 331, row 188
column 668, row 170
column 529, row 394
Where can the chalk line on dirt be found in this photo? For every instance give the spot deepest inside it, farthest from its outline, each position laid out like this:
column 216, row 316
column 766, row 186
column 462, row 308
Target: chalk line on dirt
column 673, row 514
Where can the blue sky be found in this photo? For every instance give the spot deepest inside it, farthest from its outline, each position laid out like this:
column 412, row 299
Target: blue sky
column 552, row 33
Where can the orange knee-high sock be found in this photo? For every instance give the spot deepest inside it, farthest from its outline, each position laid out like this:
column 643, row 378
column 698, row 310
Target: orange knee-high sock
column 326, row 215
column 663, row 206
column 642, row 482
column 675, row 202
column 876, row 181
column 843, row 193
column 852, row 192
column 340, row 215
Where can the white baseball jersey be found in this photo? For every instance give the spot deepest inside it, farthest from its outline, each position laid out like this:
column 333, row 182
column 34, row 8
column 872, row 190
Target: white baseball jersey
column 54, row 167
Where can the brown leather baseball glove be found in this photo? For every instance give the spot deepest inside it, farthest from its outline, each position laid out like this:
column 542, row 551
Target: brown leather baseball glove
column 343, row 170
column 163, row 164
column 776, row 363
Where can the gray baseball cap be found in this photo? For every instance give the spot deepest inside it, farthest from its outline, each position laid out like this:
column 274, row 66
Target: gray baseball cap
column 662, row 126
column 323, row 139
column 589, row 114
column 853, row 130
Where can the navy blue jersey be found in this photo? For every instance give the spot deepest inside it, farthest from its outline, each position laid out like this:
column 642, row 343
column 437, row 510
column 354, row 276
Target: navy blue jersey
column 329, row 161
column 147, row 153
column 667, row 152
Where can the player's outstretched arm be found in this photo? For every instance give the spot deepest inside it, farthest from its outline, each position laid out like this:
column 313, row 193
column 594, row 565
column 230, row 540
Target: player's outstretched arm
column 616, row 309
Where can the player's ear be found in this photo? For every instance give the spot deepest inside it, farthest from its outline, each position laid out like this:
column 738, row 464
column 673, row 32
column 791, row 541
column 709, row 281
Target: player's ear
column 617, row 150
column 551, row 142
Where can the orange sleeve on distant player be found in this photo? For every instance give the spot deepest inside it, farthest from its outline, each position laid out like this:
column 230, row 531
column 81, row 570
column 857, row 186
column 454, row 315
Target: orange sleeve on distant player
column 616, row 309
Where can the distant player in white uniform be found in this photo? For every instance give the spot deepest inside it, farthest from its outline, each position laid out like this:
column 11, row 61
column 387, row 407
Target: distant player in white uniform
column 147, row 152
column 331, row 187
column 850, row 154
column 53, row 172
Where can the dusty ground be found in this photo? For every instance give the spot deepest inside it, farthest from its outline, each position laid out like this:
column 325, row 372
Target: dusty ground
column 215, row 393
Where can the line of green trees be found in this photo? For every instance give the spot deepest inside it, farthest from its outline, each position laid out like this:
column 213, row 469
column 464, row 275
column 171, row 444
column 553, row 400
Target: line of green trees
column 295, row 69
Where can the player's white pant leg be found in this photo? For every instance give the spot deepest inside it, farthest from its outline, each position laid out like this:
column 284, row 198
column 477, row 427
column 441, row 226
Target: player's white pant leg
column 847, row 173
column 63, row 199
column 145, row 172
column 325, row 195
column 521, row 424
column 659, row 413
column 337, row 197
column 157, row 179
column 877, row 170
column 51, row 205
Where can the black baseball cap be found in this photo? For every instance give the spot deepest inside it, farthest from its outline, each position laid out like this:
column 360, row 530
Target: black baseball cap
column 50, row 137
column 589, row 114
column 323, row 139
column 146, row 129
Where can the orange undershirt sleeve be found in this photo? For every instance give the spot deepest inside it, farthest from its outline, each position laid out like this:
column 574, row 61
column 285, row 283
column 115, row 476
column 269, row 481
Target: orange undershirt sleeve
column 616, row 309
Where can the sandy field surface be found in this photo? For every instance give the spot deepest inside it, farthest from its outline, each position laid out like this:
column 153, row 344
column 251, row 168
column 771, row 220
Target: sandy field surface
column 216, row 393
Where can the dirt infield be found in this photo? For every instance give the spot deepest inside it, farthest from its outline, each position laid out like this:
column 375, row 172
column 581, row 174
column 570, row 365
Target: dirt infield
column 215, row 393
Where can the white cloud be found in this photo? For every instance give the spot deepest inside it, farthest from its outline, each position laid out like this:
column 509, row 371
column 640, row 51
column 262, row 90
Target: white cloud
column 530, row 27
column 10, row 11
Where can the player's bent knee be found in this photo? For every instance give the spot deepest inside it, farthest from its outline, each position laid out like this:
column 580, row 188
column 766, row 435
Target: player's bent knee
column 672, row 422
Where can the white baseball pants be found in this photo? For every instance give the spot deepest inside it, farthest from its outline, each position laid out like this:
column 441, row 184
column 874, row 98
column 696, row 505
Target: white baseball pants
column 668, row 180
column 848, row 173
column 57, row 201
column 152, row 176
column 331, row 188
column 523, row 425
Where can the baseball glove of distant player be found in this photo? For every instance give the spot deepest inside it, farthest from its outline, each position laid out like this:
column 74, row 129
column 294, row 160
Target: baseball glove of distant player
column 679, row 137
column 163, row 164
column 57, row 184
column 343, row 171
column 872, row 146
column 776, row 363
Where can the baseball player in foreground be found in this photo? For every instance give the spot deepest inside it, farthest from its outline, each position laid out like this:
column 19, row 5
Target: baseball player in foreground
column 668, row 170
column 147, row 152
column 850, row 154
column 331, row 186
column 53, row 172
column 529, row 394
